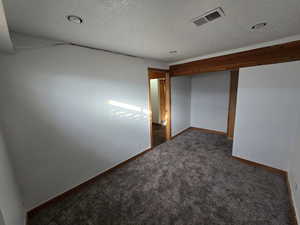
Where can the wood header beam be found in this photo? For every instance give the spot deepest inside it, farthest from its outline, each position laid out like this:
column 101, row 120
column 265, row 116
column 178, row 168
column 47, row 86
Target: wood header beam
column 157, row 73
column 261, row 56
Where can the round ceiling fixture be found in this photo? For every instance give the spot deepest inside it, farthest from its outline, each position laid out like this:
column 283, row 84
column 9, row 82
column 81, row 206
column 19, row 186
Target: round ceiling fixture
column 173, row 52
column 75, row 19
column 259, row 26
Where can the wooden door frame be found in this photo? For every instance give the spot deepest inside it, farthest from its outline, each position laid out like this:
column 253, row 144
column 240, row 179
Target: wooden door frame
column 154, row 73
column 168, row 107
column 234, row 78
column 162, row 99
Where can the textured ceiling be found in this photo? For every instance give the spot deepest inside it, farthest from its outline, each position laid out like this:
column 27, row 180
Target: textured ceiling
column 5, row 42
column 151, row 28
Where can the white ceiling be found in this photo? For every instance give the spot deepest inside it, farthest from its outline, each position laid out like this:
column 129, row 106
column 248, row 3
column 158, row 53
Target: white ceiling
column 151, row 28
column 5, row 42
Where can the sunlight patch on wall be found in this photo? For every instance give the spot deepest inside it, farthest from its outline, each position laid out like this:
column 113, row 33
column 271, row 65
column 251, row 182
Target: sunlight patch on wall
column 125, row 106
column 128, row 110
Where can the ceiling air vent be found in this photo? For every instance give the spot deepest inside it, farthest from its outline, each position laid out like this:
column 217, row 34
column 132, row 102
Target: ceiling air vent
column 200, row 21
column 208, row 16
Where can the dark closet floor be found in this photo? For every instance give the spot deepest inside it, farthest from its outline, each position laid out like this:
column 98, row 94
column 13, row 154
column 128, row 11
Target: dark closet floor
column 190, row 180
column 158, row 133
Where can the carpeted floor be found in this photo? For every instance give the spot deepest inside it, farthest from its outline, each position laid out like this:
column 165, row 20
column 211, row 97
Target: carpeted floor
column 191, row 180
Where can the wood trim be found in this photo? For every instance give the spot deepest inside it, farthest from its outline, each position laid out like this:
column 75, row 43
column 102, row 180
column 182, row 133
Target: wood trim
column 261, row 56
column 155, row 73
column 234, row 78
column 251, row 163
column 292, row 210
column 162, row 99
column 158, row 70
column 35, row 210
column 168, row 107
column 208, row 131
column 181, row 132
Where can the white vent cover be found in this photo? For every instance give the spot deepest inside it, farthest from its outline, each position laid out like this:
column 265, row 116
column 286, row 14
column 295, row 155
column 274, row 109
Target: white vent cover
column 209, row 16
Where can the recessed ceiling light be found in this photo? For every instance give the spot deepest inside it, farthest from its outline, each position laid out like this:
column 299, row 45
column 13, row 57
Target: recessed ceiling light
column 173, row 52
column 259, row 26
column 75, row 19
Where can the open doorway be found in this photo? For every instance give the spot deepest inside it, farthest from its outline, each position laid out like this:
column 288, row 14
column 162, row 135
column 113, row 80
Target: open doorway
column 159, row 104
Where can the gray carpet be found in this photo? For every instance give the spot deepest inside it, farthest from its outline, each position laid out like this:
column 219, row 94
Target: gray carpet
column 187, row 181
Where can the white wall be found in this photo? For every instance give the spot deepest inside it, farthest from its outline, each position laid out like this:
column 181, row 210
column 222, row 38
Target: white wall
column 155, row 100
column 294, row 165
column 180, row 103
column 267, row 127
column 11, row 206
column 209, row 100
column 294, row 156
column 267, row 110
column 200, row 101
column 70, row 113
